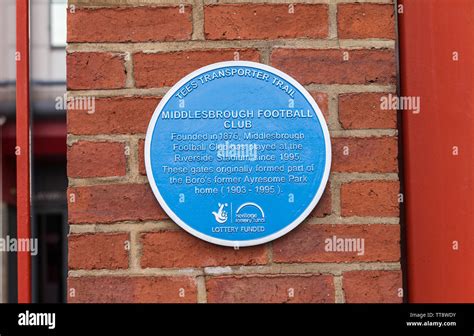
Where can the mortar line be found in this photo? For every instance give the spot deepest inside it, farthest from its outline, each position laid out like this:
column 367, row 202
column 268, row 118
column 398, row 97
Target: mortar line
column 202, row 44
column 332, row 13
column 198, row 20
column 339, row 289
column 201, row 289
column 160, row 92
column 276, row 269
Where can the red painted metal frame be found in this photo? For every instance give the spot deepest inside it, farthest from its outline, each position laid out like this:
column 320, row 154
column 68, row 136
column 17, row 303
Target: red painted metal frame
column 439, row 184
column 23, row 147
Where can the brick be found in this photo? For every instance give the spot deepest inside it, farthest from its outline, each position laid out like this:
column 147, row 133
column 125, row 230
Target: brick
column 372, row 286
column 321, row 99
column 365, row 155
column 265, row 21
column 271, row 289
column 165, row 69
column 314, row 66
column 362, row 111
column 129, row 116
column 112, row 203
column 98, row 251
column 132, row 24
column 308, row 244
column 96, row 159
column 173, row 249
column 95, row 70
column 141, row 157
column 125, row 289
column 358, row 21
column 324, row 206
column 118, row 115
column 370, row 198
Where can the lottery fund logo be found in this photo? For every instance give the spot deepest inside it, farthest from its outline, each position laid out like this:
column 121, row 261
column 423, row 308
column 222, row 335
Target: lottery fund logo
column 221, row 214
column 250, row 213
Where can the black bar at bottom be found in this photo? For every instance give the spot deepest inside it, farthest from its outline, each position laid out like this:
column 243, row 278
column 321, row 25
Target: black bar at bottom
column 334, row 319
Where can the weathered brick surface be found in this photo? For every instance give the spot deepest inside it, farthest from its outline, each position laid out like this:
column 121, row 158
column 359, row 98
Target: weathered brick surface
column 94, row 70
column 141, row 157
column 98, row 251
column 135, row 24
column 126, row 54
column 170, row 249
column 372, row 286
column 150, row 69
column 366, row 20
column 273, row 289
column 363, row 111
column 113, row 203
column 315, row 66
column 140, row 289
column 315, row 243
column 321, row 99
column 324, row 206
column 87, row 159
column 265, row 21
column 118, row 115
column 370, row 198
column 365, row 155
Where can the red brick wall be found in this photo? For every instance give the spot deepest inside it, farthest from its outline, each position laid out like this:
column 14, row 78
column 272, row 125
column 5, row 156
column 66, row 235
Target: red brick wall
column 127, row 53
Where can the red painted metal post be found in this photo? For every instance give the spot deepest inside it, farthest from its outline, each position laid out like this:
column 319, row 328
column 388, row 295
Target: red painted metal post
column 23, row 146
column 437, row 65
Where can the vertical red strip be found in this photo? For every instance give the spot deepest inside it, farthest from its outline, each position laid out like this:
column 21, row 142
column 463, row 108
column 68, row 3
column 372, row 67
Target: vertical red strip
column 437, row 65
column 23, row 146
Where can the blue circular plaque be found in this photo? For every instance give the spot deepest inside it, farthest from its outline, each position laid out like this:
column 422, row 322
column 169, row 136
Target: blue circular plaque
column 237, row 153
